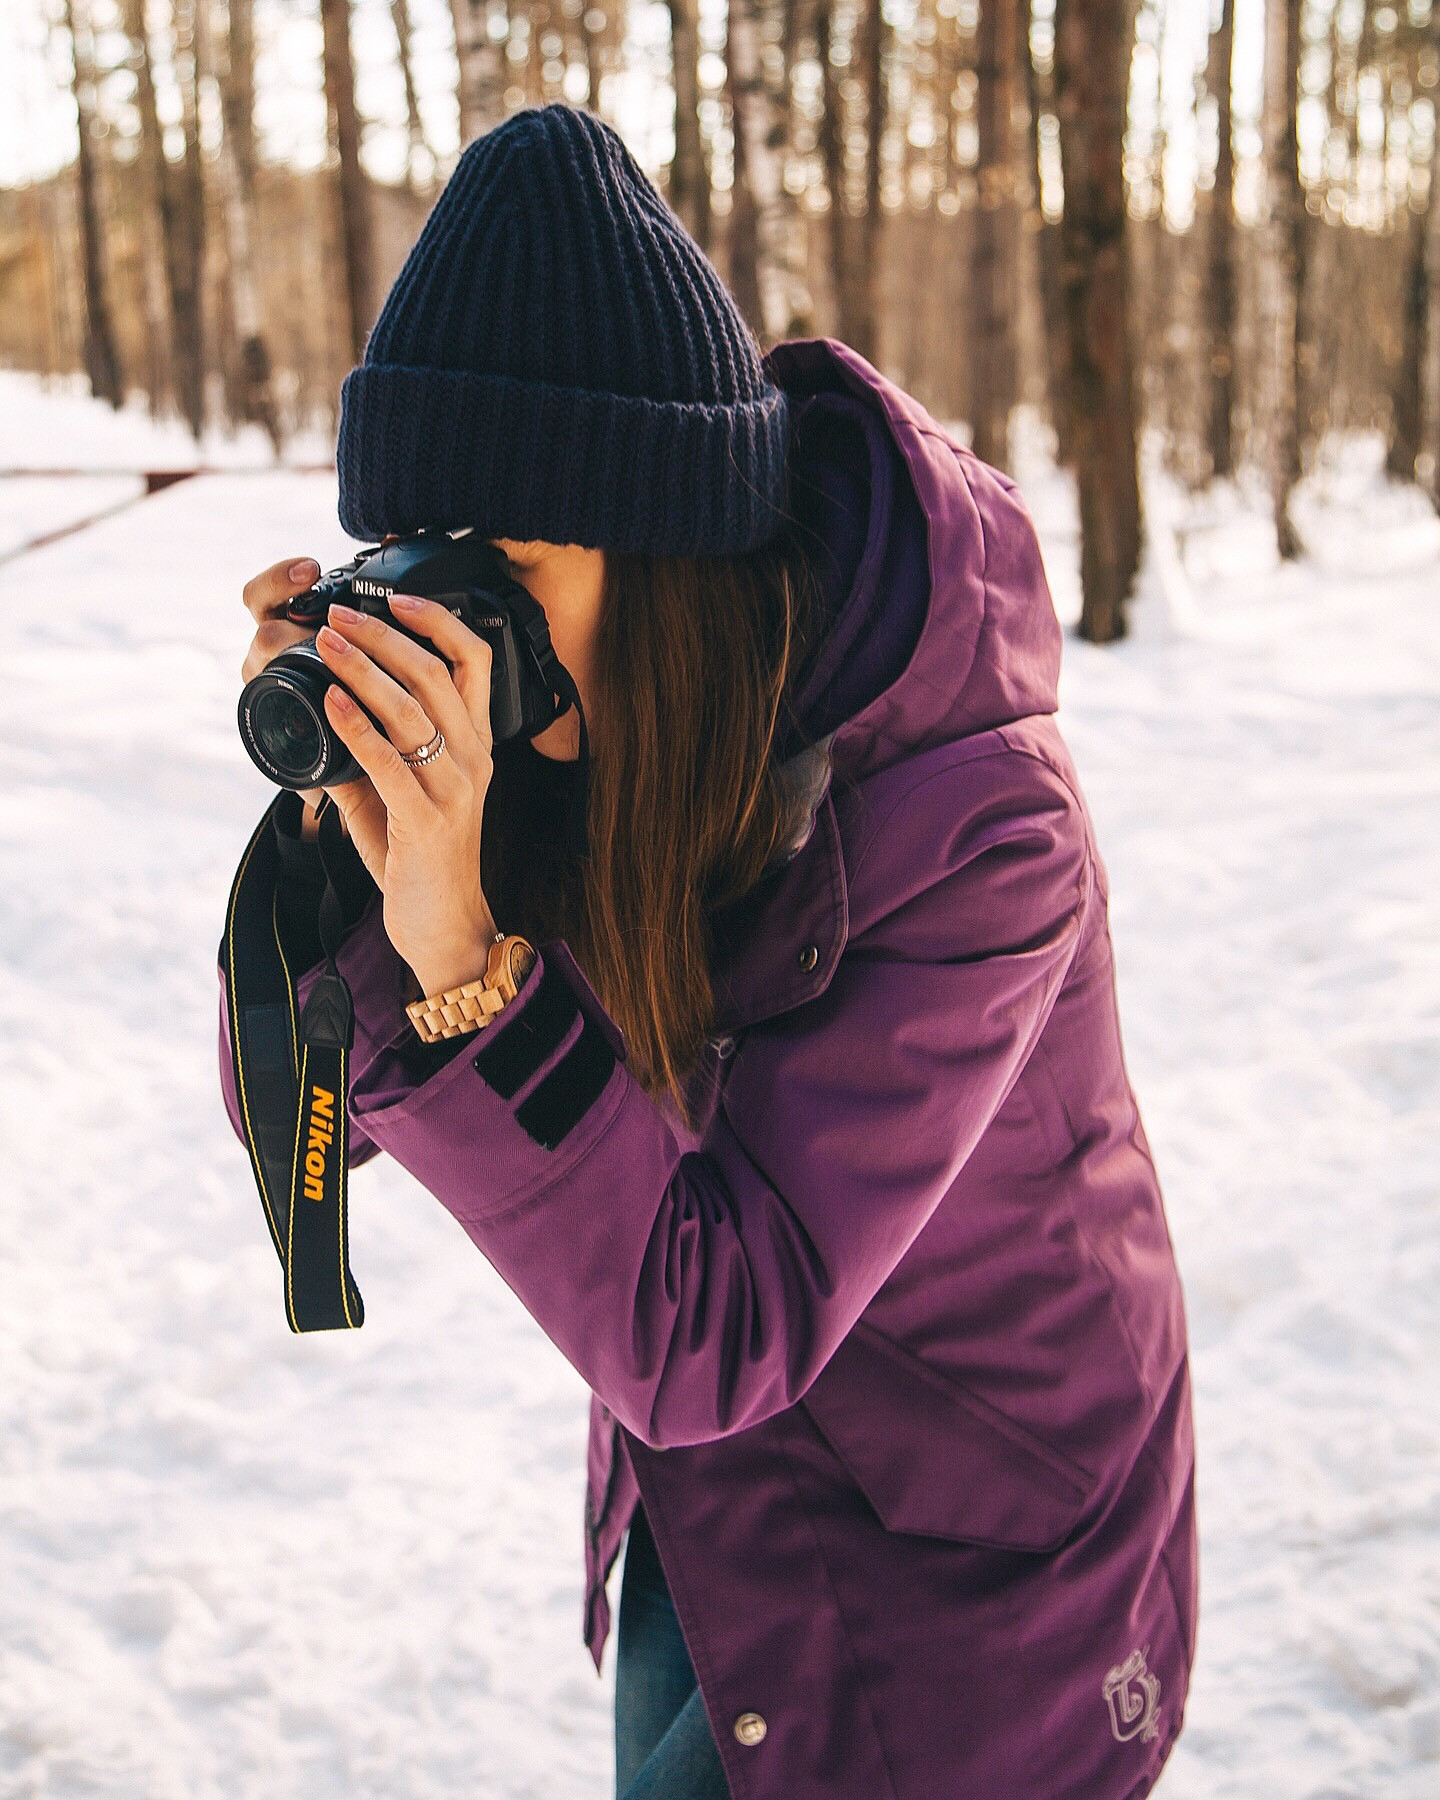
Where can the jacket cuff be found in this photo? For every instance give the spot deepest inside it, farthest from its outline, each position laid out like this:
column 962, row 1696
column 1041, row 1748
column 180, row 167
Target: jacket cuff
column 529, row 1093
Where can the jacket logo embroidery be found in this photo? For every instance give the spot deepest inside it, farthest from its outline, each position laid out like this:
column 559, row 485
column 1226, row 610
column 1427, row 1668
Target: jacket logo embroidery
column 1133, row 1695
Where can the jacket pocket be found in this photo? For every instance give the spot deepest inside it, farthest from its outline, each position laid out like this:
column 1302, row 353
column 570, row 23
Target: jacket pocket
column 935, row 1459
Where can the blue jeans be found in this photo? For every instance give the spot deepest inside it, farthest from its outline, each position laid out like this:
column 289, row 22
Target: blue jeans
column 664, row 1748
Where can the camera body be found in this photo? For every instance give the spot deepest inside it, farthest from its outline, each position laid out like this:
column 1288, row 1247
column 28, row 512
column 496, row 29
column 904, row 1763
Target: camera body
column 281, row 713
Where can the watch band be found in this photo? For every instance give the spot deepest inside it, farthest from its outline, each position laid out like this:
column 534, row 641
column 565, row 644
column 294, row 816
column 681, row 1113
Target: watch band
column 471, row 1007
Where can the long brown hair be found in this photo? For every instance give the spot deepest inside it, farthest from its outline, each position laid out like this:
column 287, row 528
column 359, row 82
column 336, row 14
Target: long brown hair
column 696, row 665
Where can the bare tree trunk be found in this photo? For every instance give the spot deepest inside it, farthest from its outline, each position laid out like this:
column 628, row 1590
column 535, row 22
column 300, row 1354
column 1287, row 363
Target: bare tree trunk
column 482, row 68
column 755, row 223
column 180, row 240
column 849, row 321
column 1220, row 307
column 594, row 42
column 799, row 318
column 743, row 236
column 689, row 178
column 62, row 225
column 1288, row 228
column 535, row 12
column 1040, row 98
column 1407, row 389
column 354, row 201
column 420, row 156
column 102, row 357
column 1092, row 65
column 1430, row 365
column 1410, row 416
column 40, row 269
column 150, row 168
column 854, row 243
column 993, row 262
column 867, row 337
column 186, row 226
column 236, row 168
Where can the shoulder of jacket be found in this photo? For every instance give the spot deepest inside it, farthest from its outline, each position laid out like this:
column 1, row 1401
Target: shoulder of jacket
column 949, row 790
column 986, row 848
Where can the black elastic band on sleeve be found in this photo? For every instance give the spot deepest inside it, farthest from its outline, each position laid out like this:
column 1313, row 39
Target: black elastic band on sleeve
column 422, row 1060
column 524, row 1044
column 570, row 1089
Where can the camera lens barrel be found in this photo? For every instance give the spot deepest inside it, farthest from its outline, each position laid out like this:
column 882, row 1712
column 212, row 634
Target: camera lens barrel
column 282, row 722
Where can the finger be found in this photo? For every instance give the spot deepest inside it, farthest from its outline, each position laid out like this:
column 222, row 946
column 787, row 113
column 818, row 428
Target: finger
column 363, row 813
column 266, row 594
column 416, row 672
column 403, row 797
column 401, row 716
column 269, row 640
column 471, row 656
column 405, row 721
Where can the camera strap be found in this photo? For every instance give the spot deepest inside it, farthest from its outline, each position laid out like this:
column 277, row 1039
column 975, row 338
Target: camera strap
column 292, row 1067
column 292, row 1080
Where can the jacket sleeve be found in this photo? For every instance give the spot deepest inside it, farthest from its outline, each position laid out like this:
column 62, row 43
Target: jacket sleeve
column 700, row 1291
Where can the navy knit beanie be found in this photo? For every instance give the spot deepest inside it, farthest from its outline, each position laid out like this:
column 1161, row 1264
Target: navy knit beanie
column 558, row 360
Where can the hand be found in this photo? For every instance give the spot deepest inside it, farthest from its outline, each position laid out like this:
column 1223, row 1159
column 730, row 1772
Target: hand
column 266, row 597
column 417, row 830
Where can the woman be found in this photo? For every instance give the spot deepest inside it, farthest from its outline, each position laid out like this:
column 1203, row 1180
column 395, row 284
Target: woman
column 807, row 1137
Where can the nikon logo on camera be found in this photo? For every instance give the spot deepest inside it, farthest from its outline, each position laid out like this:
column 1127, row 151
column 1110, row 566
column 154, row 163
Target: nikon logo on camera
column 375, row 588
column 320, row 1135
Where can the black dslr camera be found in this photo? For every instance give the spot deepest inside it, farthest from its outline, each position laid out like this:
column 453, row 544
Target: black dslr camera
column 282, row 713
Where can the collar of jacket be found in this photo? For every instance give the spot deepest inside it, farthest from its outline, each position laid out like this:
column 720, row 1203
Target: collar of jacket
column 779, row 946
column 988, row 653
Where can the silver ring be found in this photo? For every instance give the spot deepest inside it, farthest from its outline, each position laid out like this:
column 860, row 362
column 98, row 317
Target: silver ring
column 417, row 759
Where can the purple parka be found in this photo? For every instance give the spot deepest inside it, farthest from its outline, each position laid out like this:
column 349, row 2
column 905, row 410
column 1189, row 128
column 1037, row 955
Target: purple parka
column 892, row 1346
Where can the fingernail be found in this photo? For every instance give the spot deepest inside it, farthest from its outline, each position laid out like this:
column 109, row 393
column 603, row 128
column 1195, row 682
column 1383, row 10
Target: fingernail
column 307, row 569
column 406, row 602
column 332, row 640
column 347, row 615
column 341, row 700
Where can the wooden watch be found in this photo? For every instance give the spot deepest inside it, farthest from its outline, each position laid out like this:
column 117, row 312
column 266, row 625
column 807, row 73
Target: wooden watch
column 471, row 1007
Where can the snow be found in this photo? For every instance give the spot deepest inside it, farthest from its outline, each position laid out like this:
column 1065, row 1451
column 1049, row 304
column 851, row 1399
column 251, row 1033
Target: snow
column 234, row 1563
column 34, row 508
column 56, row 425
column 66, row 461
column 1264, row 767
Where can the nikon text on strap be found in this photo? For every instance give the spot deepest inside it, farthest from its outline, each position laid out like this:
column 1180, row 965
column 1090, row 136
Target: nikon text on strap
column 292, row 1081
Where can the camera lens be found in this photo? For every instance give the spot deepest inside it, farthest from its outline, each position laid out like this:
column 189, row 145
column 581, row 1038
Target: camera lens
column 286, row 731
column 283, row 724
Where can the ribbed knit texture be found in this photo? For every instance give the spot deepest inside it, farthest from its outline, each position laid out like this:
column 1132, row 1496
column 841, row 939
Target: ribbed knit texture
column 558, row 360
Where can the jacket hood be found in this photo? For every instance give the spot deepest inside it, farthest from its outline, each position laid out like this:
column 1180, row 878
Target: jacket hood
column 946, row 627
column 943, row 628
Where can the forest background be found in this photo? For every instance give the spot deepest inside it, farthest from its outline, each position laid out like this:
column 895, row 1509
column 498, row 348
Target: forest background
column 1213, row 219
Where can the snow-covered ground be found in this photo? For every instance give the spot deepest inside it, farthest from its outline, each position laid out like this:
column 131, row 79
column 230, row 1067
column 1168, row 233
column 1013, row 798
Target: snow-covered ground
column 68, row 460
column 236, row 1563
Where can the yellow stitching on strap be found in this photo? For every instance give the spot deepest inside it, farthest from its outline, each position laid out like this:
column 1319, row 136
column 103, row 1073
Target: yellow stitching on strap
column 294, row 1171
column 235, row 1043
column 342, row 1133
column 289, row 983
